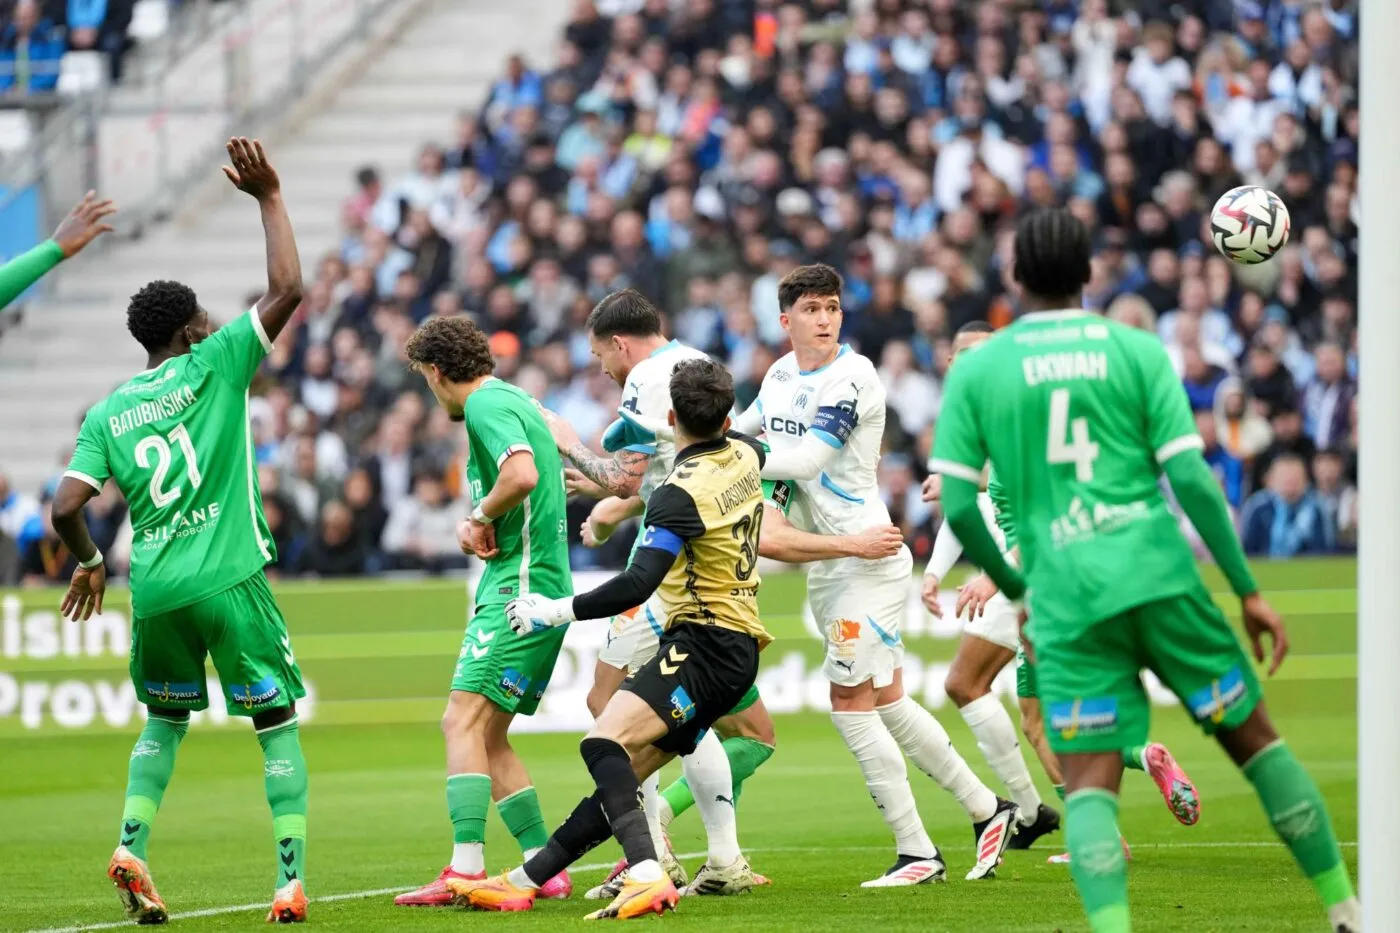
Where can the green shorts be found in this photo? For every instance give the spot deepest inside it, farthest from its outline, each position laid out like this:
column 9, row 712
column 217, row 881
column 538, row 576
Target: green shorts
column 749, row 698
column 240, row 629
column 1090, row 682
column 510, row 671
column 1025, row 675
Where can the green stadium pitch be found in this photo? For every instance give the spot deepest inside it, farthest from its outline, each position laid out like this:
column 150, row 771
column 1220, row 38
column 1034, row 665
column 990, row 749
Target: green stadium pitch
column 379, row 656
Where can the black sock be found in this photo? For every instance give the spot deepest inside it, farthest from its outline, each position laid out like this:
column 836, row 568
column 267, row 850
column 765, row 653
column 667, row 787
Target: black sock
column 585, row 828
column 621, row 795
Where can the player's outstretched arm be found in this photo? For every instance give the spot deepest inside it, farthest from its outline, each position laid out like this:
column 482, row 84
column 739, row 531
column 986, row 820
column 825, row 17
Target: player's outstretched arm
column 252, row 174
column 84, row 223
column 606, row 516
column 780, row 540
column 960, row 505
column 89, row 582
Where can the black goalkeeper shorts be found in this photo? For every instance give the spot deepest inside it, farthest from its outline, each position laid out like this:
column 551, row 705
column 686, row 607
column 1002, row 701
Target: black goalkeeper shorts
column 699, row 674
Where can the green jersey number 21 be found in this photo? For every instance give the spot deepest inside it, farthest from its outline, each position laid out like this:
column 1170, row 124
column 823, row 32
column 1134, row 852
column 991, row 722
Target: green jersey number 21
column 1069, row 439
column 161, row 446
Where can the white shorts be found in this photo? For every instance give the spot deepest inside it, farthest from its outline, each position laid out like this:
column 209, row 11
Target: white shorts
column 859, row 619
column 633, row 640
column 999, row 624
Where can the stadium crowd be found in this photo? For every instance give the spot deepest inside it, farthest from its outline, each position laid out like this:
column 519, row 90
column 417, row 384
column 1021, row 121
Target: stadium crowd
column 36, row 34
column 699, row 150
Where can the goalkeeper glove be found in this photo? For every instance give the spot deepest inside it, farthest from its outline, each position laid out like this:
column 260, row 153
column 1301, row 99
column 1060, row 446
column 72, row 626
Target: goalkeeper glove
column 535, row 613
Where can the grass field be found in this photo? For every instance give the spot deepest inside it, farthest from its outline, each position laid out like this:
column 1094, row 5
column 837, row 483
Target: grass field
column 380, row 655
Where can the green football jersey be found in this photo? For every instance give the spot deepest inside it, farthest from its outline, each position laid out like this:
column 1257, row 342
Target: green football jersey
column 177, row 441
column 1076, row 414
column 533, row 537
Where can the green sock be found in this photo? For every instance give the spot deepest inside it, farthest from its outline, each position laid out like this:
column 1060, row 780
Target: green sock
column 468, row 799
column 285, row 781
column 152, row 763
column 1133, row 758
column 1059, row 790
column 745, row 757
column 1096, row 859
column 1299, row 816
column 520, row 812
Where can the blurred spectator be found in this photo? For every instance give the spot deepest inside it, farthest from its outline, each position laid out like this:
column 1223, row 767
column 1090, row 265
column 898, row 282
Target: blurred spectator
column 19, row 515
column 912, row 395
column 421, row 533
column 1337, row 495
column 1327, row 399
column 31, row 47
column 1286, row 519
column 1242, row 430
column 45, row 561
column 1228, row 468
column 334, row 550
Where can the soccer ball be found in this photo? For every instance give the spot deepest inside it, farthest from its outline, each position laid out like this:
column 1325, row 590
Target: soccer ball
column 1249, row 224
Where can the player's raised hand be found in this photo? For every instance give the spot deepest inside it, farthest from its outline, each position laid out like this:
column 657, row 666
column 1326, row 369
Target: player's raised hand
column 251, row 172
column 85, row 592
column 878, row 542
column 929, row 592
column 1260, row 619
column 932, row 488
column 534, row 613
column 973, row 596
column 83, row 224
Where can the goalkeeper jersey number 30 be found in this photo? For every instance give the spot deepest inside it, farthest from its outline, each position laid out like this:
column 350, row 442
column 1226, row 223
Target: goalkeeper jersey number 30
column 1077, row 414
column 176, row 440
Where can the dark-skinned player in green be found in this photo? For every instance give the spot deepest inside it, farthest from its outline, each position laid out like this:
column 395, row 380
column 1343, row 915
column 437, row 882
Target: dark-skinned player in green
column 1081, row 417
column 176, row 440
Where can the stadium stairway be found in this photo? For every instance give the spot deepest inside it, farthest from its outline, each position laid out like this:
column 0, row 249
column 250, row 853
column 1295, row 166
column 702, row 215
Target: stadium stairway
column 73, row 347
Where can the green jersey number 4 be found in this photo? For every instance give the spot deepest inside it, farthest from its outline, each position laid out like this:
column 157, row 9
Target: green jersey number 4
column 1069, row 439
column 161, row 447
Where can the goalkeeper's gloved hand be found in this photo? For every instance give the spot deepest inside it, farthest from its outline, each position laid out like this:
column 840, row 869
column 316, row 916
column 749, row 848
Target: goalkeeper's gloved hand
column 535, row 613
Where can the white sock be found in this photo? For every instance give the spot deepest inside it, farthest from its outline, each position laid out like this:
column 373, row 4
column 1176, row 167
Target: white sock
column 996, row 737
column 649, row 870
column 530, row 853
column 467, row 858
column 518, row 878
column 886, row 778
column 927, row 744
column 1347, row 913
column 711, row 783
column 651, row 794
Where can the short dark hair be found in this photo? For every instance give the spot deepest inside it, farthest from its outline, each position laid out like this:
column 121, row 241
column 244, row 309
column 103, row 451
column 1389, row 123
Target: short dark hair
column 702, row 395
column 816, row 279
column 156, row 313
column 455, row 345
column 626, row 313
column 974, row 327
column 1052, row 253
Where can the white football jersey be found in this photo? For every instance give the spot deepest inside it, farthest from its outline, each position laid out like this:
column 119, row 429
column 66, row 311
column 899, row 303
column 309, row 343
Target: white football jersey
column 647, row 394
column 844, row 403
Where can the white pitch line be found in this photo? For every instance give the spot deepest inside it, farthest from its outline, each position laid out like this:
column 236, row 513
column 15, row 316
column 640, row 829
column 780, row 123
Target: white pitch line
column 376, row 892
column 262, row 905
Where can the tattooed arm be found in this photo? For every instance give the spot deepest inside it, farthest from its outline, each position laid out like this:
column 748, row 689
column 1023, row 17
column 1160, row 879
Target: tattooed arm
column 621, row 474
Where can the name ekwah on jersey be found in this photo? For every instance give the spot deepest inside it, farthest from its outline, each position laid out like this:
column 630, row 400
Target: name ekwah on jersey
column 1065, row 367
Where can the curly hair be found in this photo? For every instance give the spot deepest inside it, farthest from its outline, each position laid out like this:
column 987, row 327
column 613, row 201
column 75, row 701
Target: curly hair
column 455, row 345
column 818, row 279
column 158, row 311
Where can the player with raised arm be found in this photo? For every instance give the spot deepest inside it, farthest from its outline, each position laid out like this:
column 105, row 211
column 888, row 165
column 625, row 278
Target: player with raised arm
column 176, row 440
column 517, row 526
column 699, row 553
column 990, row 641
column 822, row 410
column 1080, row 416
column 624, row 333
column 84, row 223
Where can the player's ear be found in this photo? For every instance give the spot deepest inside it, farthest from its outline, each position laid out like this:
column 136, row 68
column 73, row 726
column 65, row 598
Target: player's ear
column 728, row 421
column 671, row 417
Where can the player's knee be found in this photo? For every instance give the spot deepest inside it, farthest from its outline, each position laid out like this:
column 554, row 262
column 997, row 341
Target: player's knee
column 1249, row 738
column 962, row 687
column 461, row 716
column 273, row 717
